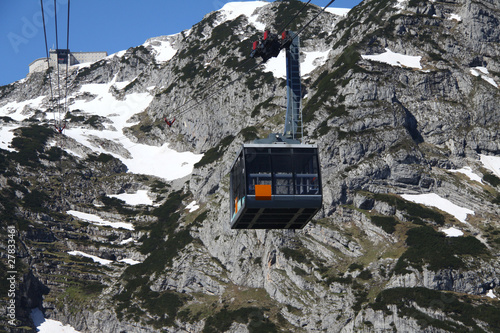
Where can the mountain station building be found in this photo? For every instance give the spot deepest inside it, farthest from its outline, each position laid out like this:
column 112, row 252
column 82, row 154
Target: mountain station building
column 55, row 56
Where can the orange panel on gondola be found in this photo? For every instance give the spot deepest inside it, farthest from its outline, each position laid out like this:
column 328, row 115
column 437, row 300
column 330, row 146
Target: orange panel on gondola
column 263, row 192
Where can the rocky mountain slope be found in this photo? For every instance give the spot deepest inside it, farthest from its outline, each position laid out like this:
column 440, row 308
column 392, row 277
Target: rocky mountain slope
column 402, row 99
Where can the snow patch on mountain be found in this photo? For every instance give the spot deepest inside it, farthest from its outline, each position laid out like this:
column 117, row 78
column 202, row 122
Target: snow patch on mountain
column 468, row 172
column 453, row 232
column 6, row 136
column 192, row 206
column 92, row 218
column 395, row 59
column 277, row 65
column 491, row 294
column 49, row 325
column 126, row 241
column 484, row 74
column 139, row 158
column 311, row 61
column 95, row 258
column 121, row 85
column 161, row 47
column 118, row 54
column 139, row 198
column 491, row 163
column 434, row 200
column 338, row 11
column 129, row 261
column 18, row 110
column 401, row 5
column 232, row 10
column 101, row 260
column 106, row 105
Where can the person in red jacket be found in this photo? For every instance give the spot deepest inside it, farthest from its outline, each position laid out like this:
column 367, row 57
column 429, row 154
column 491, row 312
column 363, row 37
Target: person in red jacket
column 169, row 123
column 60, row 129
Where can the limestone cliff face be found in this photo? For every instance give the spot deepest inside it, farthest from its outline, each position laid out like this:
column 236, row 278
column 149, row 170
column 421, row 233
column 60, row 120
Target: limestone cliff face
column 371, row 260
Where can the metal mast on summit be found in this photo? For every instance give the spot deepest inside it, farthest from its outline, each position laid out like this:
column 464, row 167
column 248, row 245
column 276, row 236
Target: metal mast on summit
column 276, row 182
column 293, row 120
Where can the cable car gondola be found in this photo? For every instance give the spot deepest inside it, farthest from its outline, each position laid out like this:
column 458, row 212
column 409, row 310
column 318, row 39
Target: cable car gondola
column 275, row 186
column 275, row 183
column 63, row 56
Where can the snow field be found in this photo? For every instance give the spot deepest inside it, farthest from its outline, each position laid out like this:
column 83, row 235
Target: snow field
column 162, row 50
column 395, row 59
column 491, row 294
column 95, row 258
column 453, row 232
column 434, row 200
column 101, row 260
column 49, row 325
column 192, row 206
column 15, row 110
column 139, row 198
column 99, row 221
column 491, row 163
column 484, row 74
column 6, row 136
column 468, row 172
column 141, row 159
column 312, row 60
column 158, row 161
column 232, row 10
column 338, row 11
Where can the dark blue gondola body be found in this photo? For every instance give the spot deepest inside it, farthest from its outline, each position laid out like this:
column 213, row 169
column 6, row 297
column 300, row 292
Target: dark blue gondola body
column 290, row 173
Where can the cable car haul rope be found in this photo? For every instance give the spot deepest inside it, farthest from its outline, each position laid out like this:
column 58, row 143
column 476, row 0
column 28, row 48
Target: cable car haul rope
column 62, row 57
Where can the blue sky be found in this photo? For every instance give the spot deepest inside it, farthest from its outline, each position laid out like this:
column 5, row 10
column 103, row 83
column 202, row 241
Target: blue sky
column 95, row 25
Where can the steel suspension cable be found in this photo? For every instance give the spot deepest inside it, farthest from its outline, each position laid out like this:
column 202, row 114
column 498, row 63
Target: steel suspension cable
column 315, row 17
column 48, row 58
column 223, row 87
column 209, row 87
column 286, row 25
column 68, row 59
